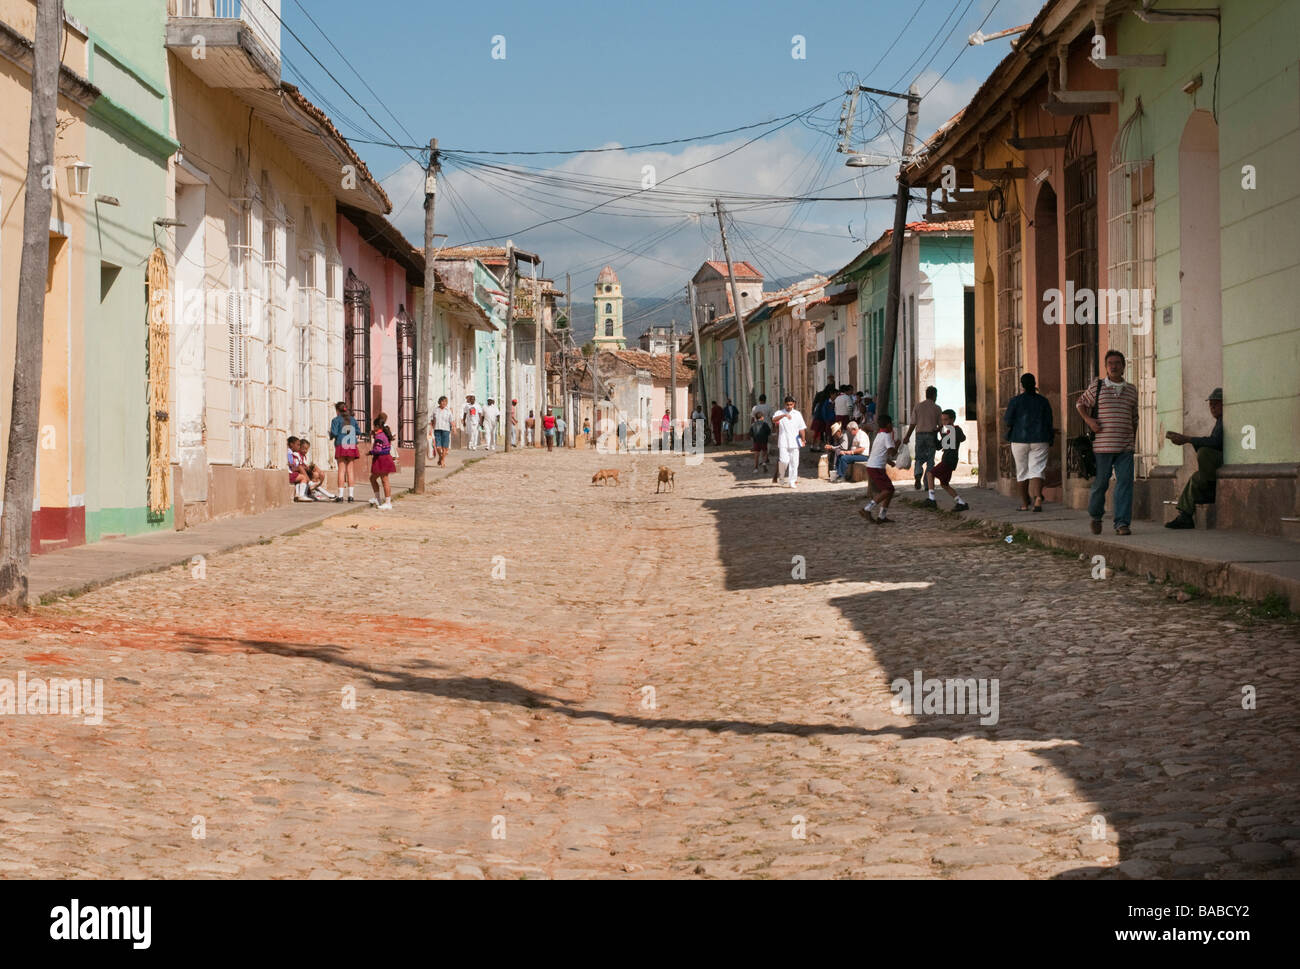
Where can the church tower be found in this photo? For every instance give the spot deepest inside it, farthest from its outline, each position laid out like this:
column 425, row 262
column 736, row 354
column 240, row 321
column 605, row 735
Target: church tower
column 609, row 311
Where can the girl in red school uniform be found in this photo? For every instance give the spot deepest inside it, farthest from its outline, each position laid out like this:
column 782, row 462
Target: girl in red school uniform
column 381, row 462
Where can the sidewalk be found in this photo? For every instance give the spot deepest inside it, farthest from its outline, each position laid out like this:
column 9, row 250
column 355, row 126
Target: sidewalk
column 73, row 571
column 1220, row 562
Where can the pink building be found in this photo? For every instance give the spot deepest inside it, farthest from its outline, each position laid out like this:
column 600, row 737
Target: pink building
column 382, row 292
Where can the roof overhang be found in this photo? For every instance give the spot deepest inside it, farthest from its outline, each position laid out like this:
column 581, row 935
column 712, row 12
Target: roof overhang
column 17, row 49
column 312, row 137
column 380, row 234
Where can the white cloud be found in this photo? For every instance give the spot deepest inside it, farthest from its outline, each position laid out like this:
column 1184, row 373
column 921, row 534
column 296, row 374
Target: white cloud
column 777, row 166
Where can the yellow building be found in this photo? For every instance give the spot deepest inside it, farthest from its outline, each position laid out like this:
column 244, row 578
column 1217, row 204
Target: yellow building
column 59, row 509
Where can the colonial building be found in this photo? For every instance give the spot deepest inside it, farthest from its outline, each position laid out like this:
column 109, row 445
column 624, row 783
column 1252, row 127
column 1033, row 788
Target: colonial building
column 1126, row 196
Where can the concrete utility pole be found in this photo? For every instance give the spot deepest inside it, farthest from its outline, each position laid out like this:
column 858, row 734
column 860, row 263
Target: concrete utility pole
column 539, row 355
column 885, row 381
column 740, row 316
column 672, row 381
column 510, row 329
column 24, row 421
column 424, row 334
column 699, row 363
column 571, row 417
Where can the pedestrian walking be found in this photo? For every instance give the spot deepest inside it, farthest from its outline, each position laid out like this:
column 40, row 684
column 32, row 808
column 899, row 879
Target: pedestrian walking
column 790, row 428
column 548, row 425
column 926, row 420
column 561, row 431
column 491, row 414
column 883, row 451
column 622, row 431
column 1110, row 408
column 345, row 432
column 530, row 429
column 471, row 416
column 715, row 419
column 1028, row 422
column 665, row 433
column 381, row 463
column 442, row 430
column 951, row 438
column 760, row 432
column 730, row 415
column 586, row 432
column 514, row 424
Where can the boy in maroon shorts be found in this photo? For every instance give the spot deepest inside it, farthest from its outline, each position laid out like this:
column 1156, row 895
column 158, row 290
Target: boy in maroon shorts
column 951, row 437
column 883, row 451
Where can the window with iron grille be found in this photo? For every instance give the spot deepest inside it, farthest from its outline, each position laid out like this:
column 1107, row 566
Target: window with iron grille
column 1131, row 269
column 1080, row 264
column 356, row 350
column 405, row 378
column 1011, row 323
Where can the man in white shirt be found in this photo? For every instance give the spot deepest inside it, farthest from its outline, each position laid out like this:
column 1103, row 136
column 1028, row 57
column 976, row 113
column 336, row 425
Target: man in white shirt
column 855, row 448
column 471, row 418
column 844, row 405
column 883, row 450
column 491, row 414
column 789, row 435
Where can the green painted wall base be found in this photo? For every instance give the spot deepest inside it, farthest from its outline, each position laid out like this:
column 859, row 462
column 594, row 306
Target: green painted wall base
column 125, row 521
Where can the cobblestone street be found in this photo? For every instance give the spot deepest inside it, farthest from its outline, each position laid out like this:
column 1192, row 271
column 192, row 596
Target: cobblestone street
column 555, row 679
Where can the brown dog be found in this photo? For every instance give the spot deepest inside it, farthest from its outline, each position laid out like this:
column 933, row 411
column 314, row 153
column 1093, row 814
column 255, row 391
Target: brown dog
column 604, row 476
column 666, row 477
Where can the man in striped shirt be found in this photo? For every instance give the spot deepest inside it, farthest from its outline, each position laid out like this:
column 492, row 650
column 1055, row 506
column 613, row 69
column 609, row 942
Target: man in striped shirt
column 1116, row 428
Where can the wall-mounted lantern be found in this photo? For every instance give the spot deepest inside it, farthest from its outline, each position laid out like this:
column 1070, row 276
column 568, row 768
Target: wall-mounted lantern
column 79, row 178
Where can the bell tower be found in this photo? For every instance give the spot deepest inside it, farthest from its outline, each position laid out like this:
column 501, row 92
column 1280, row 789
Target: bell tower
column 608, row 302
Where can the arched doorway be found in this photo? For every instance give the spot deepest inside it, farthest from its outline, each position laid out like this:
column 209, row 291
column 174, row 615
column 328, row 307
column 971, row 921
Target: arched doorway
column 1081, row 265
column 1201, row 315
column 1047, row 274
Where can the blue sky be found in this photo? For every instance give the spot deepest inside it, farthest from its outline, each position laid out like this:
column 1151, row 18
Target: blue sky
column 580, row 74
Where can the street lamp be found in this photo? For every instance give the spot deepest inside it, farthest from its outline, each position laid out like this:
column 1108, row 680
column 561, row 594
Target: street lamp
column 79, row 178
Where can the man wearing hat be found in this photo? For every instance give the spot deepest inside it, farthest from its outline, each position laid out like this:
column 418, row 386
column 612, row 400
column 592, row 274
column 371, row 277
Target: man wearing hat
column 1209, row 457
column 852, row 451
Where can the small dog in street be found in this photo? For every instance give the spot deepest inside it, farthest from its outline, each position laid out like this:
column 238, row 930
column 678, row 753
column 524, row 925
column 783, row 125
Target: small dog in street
column 604, row 476
column 666, row 477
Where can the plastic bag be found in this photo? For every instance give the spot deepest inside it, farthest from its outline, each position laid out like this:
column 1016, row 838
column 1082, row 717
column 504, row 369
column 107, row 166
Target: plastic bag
column 903, row 461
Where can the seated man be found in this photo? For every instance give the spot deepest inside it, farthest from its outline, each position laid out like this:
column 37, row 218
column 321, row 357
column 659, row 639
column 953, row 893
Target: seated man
column 1200, row 487
column 853, row 450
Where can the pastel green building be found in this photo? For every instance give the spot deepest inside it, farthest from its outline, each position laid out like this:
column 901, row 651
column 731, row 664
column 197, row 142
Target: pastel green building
column 1221, row 127
column 128, row 149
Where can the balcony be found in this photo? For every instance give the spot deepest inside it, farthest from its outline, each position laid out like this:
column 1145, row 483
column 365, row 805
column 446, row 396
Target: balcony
column 227, row 43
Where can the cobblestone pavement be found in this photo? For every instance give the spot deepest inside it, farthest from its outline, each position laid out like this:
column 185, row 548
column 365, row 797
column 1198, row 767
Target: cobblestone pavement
column 646, row 689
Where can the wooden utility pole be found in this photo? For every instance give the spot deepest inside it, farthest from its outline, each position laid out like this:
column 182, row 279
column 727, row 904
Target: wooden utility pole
column 424, row 335
column 510, row 330
column 885, row 380
column 740, row 316
column 25, row 412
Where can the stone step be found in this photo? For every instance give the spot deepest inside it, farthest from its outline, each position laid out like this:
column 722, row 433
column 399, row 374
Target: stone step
column 1291, row 529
